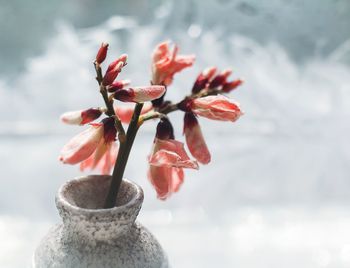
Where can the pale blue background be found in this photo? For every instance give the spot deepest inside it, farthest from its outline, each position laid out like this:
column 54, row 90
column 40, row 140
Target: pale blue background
column 277, row 191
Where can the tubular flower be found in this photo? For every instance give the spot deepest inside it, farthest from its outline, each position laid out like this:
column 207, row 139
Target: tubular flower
column 217, row 108
column 166, row 63
column 81, row 117
column 118, row 85
column 102, row 53
column 106, row 152
column 125, row 112
column 102, row 159
column 194, row 139
column 139, row 94
column 165, row 180
column 95, row 141
column 114, row 69
column 203, row 79
column 82, row 145
column 167, row 160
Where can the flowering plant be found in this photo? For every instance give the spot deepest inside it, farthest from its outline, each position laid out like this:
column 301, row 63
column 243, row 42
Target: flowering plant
column 106, row 144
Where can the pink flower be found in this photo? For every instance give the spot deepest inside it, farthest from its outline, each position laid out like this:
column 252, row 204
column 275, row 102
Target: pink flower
column 203, row 79
column 95, row 145
column 167, row 160
column 166, row 63
column 82, row 145
column 217, row 108
column 114, row 69
column 139, row 94
column 81, row 117
column 102, row 53
column 194, row 139
column 170, row 153
column 165, row 180
column 117, row 85
column 125, row 112
column 102, row 159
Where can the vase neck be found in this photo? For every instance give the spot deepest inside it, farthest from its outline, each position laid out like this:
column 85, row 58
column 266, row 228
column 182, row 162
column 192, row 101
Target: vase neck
column 79, row 203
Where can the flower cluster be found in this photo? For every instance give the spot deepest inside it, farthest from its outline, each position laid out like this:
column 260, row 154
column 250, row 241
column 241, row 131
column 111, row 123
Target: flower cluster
column 97, row 146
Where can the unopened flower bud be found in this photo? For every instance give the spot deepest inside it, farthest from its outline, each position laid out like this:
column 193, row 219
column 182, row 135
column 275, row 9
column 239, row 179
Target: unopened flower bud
column 165, row 130
column 229, row 86
column 203, row 79
column 139, row 94
column 81, row 117
column 114, row 69
column 220, row 79
column 116, row 85
column 102, row 53
column 217, row 108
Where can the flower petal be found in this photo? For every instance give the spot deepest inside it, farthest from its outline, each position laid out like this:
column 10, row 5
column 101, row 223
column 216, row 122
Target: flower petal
column 195, row 140
column 82, row 145
column 103, row 158
column 171, row 153
column 165, row 180
column 166, row 63
column 171, row 159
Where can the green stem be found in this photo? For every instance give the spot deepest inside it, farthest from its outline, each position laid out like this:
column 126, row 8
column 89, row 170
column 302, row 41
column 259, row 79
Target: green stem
column 122, row 158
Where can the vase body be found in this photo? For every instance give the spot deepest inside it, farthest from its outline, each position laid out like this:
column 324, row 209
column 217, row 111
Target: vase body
column 96, row 238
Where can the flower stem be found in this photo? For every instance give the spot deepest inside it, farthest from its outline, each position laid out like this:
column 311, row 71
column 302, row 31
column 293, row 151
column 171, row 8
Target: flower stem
column 109, row 103
column 122, row 158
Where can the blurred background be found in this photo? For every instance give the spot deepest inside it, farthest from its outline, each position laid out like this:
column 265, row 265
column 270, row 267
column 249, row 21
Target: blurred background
column 277, row 191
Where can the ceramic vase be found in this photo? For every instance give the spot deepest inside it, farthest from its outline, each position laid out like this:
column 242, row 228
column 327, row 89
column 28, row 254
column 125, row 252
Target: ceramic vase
column 96, row 238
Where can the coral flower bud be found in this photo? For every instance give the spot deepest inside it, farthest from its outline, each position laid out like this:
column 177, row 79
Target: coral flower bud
column 116, row 85
column 203, row 79
column 229, row 86
column 139, row 94
column 194, row 139
column 114, row 69
column 217, row 108
column 220, row 79
column 102, row 53
column 81, row 117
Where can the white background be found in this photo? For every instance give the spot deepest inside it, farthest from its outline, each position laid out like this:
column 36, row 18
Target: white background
column 277, row 191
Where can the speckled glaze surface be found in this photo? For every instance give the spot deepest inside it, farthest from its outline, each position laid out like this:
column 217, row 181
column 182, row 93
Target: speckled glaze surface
column 93, row 237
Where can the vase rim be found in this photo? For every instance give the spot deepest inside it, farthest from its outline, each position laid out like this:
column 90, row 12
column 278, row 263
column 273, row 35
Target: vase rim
column 61, row 198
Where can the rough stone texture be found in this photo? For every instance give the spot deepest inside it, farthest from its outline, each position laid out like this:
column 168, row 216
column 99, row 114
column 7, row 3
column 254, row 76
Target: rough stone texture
column 93, row 237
